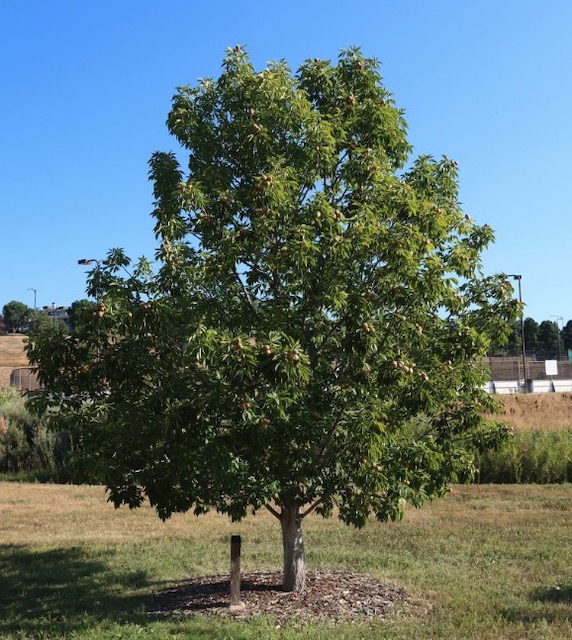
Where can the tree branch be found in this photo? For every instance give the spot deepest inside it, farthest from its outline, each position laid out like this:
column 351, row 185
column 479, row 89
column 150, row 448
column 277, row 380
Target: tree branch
column 312, row 508
column 273, row 511
column 245, row 292
column 329, row 438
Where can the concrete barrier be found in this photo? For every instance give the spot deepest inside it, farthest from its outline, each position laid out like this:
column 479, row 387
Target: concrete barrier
column 542, row 386
column 506, row 387
column 562, row 386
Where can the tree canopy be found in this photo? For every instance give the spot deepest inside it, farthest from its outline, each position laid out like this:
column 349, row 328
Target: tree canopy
column 531, row 328
column 567, row 335
column 311, row 338
column 16, row 315
column 549, row 337
column 41, row 322
column 80, row 311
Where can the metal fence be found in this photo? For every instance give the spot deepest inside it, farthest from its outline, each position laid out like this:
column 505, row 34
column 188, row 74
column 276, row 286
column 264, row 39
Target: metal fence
column 500, row 368
column 24, row 379
column 511, row 368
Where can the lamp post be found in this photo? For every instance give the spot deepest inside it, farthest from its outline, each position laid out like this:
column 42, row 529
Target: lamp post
column 98, row 263
column 518, row 277
column 92, row 260
column 35, row 293
column 87, row 261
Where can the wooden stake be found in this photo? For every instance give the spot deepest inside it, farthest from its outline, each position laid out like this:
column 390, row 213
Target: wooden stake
column 235, row 602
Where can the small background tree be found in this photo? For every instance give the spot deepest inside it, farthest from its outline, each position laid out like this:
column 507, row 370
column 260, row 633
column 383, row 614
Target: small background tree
column 531, row 328
column 41, row 322
column 312, row 338
column 81, row 311
column 549, row 338
column 16, row 315
column 566, row 334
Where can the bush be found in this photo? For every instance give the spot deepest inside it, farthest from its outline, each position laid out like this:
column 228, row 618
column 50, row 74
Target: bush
column 26, row 444
column 539, row 457
column 31, row 450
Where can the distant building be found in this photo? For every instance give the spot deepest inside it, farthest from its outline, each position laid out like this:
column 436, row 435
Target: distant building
column 57, row 313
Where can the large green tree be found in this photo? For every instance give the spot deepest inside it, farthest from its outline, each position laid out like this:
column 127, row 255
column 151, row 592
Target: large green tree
column 566, row 335
column 312, row 337
column 549, row 338
column 16, row 315
column 531, row 328
column 508, row 344
column 79, row 311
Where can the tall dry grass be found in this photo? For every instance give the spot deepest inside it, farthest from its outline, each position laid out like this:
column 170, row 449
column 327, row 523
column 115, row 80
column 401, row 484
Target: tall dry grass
column 543, row 411
column 12, row 356
column 12, row 352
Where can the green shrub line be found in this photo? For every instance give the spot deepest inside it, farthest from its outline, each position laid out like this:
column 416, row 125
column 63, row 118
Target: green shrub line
column 529, row 457
column 31, row 452
column 25, row 443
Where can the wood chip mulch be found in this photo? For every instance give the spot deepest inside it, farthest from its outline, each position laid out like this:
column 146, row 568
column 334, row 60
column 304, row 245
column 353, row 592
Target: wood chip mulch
column 333, row 596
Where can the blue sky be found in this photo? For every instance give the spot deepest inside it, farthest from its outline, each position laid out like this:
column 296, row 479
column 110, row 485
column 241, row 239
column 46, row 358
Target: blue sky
column 86, row 88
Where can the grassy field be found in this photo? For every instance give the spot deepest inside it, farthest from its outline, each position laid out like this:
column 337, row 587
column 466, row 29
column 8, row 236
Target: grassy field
column 492, row 561
column 12, row 356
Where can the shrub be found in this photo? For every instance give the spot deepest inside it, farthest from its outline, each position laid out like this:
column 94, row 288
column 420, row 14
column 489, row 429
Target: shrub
column 529, row 457
column 25, row 442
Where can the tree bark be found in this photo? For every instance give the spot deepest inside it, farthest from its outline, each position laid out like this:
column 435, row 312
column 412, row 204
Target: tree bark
column 294, row 570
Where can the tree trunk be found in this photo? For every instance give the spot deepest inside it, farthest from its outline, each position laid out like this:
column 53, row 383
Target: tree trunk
column 294, row 570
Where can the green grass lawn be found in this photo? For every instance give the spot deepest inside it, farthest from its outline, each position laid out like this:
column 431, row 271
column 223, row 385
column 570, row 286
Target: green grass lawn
column 491, row 561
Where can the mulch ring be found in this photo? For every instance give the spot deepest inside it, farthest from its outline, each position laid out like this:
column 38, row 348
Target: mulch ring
column 333, row 596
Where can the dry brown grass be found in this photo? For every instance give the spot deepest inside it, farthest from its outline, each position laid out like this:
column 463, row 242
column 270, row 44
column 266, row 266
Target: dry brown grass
column 81, row 515
column 12, row 352
column 538, row 411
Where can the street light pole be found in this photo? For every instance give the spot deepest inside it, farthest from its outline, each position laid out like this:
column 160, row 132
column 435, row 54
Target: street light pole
column 92, row 260
column 518, row 277
column 87, row 261
column 35, row 292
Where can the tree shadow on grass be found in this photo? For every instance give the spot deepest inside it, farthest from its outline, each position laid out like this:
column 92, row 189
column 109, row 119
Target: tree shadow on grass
column 59, row 591
column 545, row 604
column 557, row 593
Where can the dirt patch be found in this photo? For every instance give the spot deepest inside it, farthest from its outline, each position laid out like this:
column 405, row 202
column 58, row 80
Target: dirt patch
column 328, row 596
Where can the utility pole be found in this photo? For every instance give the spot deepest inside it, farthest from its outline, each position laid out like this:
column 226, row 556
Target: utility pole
column 85, row 262
column 35, row 292
column 518, row 277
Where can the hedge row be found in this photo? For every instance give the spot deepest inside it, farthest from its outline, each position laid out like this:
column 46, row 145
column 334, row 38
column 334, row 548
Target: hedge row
column 529, row 457
column 28, row 449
